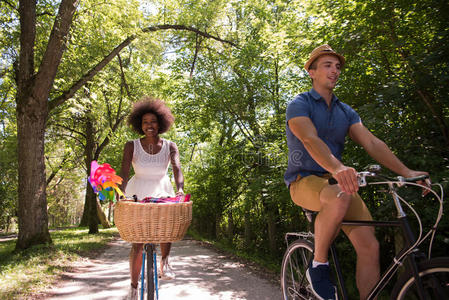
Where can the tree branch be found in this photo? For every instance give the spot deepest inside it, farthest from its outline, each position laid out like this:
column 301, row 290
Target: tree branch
column 55, row 48
column 187, row 28
column 9, row 4
column 97, row 68
column 25, row 67
column 70, row 129
column 122, row 73
column 197, row 49
column 89, row 75
column 56, row 170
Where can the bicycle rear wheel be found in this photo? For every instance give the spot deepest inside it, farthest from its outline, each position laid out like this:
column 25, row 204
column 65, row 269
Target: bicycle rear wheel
column 434, row 274
column 293, row 272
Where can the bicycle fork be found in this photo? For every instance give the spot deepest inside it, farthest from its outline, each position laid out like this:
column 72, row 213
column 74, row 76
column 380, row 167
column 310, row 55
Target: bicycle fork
column 149, row 250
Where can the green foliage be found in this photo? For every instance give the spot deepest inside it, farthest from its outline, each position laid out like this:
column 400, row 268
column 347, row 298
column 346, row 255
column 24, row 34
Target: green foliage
column 230, row 102
column 8, row 167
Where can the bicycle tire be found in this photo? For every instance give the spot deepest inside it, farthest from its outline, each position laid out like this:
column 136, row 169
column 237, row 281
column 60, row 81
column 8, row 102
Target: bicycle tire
column 150, row 274
column 434, row 274
column 293, row 271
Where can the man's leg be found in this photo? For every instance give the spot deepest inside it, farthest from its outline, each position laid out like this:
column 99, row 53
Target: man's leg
column 367, row 249
column 328, row 221
column 327, row 226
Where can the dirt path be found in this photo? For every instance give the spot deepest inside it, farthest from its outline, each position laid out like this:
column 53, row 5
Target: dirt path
column 201, row 272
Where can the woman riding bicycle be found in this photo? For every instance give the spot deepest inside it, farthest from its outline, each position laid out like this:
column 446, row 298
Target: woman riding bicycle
column 150, row 156
column 317, row 125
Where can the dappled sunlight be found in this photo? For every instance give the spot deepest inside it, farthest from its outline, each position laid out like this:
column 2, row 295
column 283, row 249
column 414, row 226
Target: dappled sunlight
column 105, row 277
column 200, row 274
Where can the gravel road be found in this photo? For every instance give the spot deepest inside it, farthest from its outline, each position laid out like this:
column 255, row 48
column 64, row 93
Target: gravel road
column 202, row 273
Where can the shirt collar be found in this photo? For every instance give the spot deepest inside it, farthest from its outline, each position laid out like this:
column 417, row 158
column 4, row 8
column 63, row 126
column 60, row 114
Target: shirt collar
column 317, row 96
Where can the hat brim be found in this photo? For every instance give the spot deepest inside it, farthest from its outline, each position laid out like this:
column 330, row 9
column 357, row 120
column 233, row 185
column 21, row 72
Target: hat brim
column 315, row 57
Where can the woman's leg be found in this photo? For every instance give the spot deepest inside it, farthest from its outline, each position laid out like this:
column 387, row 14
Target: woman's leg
column 165, row 251
column 135, row 263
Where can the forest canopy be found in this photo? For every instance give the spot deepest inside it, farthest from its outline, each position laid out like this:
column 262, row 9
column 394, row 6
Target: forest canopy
column 70, row 71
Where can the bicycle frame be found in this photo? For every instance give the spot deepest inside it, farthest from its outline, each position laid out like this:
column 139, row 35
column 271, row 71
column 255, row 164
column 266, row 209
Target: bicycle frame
column 409, row 255
column 409, row 242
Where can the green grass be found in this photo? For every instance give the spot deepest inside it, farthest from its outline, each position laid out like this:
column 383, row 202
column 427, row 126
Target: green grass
column 28, row 272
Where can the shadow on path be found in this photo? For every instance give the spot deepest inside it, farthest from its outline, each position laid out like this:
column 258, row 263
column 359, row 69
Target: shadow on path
column 201, row 273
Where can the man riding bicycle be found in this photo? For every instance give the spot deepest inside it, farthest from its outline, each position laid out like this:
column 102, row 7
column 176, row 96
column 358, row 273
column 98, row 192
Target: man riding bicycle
column 317, row 124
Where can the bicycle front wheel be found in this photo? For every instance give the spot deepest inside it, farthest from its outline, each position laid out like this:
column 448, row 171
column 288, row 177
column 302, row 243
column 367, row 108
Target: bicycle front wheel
column 293, row 272
column 150, row 272
column 434, row 274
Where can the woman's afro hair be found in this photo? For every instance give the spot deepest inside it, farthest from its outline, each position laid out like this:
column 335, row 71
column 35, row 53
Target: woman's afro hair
column 150, row 105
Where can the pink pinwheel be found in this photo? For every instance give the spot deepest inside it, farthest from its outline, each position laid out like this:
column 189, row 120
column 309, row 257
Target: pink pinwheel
column 102, row 178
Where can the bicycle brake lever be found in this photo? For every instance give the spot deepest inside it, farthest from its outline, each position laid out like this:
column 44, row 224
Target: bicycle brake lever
column 361, row 180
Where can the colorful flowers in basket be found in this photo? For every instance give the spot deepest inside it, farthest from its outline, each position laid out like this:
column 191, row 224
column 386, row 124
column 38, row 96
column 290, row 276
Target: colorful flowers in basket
column 104, row 181
column 177, row 199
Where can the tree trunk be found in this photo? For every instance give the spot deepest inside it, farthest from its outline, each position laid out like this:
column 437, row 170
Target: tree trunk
column 33, row 90
column 102, row 216
column 248, row 232
column 92, row 216
column 230, row 229
column 272, row 214
column 91, row 198
column 8, row 223
column 110, row 213
column 33, row 218
column 85, row 219
column 271, row 222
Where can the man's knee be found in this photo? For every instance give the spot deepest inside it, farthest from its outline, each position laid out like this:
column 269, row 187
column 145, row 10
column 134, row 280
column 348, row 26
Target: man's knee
column 368, row 247
column 332, row 197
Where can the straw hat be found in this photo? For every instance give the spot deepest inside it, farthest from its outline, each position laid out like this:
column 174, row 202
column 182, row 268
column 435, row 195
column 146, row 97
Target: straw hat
column 323, row 50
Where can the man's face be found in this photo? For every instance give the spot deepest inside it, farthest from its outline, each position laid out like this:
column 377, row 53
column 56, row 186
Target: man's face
column 327, row 72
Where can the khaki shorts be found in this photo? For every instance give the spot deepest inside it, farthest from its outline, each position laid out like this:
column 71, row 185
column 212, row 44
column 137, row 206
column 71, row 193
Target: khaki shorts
column 305, row 192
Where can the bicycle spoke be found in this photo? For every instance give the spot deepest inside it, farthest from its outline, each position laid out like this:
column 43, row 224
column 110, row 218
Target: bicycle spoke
column 294, row 266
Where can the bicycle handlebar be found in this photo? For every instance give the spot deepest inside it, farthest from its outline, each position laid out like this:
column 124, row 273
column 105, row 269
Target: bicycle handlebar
column 413, row 179
column 361, row 177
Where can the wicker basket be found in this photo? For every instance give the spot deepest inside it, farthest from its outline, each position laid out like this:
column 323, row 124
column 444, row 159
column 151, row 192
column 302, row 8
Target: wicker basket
column 152, row 222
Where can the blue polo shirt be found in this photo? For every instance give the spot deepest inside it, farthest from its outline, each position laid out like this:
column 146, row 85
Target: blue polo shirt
column 332, row 125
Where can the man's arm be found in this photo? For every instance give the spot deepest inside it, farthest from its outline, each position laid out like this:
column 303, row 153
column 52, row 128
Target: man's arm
column 305, row 131
column 378, row 150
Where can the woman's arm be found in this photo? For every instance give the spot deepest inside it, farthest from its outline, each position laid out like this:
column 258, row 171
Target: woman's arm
column 176, row 166
column 126, row 164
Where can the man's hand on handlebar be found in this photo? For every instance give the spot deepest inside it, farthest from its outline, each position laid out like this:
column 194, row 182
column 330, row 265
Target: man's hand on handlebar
column 425, row 183
column 347, row 179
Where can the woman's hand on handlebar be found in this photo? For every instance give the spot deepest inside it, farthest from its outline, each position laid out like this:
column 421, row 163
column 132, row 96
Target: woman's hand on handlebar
column 347, row 179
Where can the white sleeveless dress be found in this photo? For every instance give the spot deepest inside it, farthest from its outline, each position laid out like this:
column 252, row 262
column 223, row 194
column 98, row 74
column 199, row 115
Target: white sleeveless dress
column 150, row 179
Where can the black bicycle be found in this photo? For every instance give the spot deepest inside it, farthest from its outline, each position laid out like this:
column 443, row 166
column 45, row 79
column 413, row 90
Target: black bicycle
column 424, row 277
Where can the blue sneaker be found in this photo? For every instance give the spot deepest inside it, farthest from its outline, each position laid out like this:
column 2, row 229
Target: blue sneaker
column 321, row 285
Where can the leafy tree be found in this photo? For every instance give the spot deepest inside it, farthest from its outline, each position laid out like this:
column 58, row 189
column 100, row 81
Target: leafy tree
column 35, row 86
